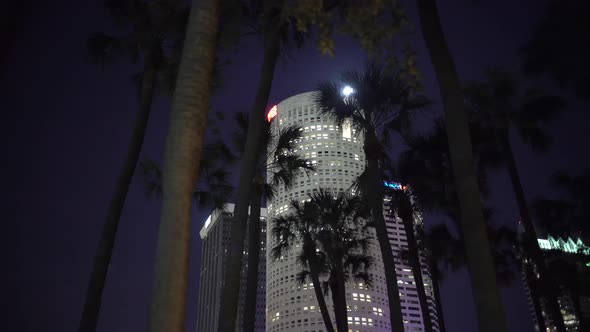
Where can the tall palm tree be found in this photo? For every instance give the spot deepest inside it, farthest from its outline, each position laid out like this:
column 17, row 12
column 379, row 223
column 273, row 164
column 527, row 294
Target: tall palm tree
column 446, row 251
column 213, row 190
column 486, row 295
column 300, row 226
column 339, row 235
column 439, row 245
column 280, row 23
column 425, row 170
column 269, row 21
column 284, row 167
column 401, row 200
column 182, row 159
column 500, row 105
column 425, row 167
column 382, row 103
column 155, row 35
column 343, row 241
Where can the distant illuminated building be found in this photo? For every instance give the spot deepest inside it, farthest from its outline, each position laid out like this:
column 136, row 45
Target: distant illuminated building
column 337, row 153
column 574, row 303
column 215, row 236
column 568, row 245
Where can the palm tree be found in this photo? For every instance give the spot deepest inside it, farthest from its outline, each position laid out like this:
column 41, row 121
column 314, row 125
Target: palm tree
column 156, row 32
column 446, row 251
column 300, row 226
column 479, row 260
column 440, row 246
column 333, row 232
column 381, row 104
column 343, row 242
column 280, row 23
column 271, row 24
column 425, row 170
column 213, row 190
column 284, row 167
column 401, row 200
column 182, row 159
column 499, row 105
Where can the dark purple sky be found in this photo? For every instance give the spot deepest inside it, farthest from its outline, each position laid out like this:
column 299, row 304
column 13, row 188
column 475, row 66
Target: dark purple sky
column 66, row 125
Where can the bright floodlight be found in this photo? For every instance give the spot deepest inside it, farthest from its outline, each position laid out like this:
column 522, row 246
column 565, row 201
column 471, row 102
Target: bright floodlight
column 347, row 91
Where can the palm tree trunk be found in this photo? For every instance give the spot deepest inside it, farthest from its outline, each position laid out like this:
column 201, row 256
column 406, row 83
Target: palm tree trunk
column 436, row 290
column 90, row 314
column 182, row 158
column 407, row 216
column 338, row 288
column 317, row 287
column 231, row 284
column 253, row 260
column 486, row 294
column 375, row 197
column 535, row 296
column 530, row 242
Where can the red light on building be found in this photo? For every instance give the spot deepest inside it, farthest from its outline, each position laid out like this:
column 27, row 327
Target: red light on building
column 272, row 113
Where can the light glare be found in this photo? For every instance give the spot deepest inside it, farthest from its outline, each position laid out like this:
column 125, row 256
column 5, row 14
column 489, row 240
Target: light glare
column 347, row 91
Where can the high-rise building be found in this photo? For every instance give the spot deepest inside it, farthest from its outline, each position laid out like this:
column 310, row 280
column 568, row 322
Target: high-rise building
column 571, row 277
column 411, row 310
column 215, row 236
column 337, row 153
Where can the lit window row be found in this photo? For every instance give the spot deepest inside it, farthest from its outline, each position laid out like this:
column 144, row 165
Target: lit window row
column 360, row 321
column 361, row 297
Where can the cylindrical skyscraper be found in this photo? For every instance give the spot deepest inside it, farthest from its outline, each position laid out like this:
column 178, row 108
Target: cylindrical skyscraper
column 337, row 153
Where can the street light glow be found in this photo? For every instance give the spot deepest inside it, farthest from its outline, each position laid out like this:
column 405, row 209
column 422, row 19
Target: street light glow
column 347, row 91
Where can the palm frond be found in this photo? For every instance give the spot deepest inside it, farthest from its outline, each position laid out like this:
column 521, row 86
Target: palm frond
column 301, row 277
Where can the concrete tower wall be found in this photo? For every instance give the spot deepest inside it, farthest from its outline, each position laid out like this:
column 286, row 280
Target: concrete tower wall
column 338, row 155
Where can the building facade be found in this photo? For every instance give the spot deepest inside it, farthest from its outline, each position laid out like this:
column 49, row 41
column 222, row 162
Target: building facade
column 569, row 262
column 215, row 236
column 410, row 304
column 337, row 153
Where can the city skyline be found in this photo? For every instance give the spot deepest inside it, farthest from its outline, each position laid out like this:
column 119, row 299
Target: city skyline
column 66, row 143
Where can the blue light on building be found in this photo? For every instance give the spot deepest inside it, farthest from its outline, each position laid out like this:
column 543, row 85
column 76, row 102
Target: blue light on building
column 393, row 185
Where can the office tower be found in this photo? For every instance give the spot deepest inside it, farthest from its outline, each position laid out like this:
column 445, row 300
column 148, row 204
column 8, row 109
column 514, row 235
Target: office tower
column 569, row 264
column 338, row 155
column 215, row 235
column 411, row 310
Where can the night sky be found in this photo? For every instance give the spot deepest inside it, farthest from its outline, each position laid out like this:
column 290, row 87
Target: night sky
column 66, row 125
